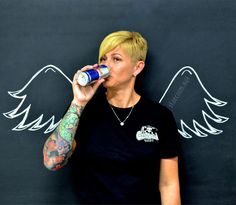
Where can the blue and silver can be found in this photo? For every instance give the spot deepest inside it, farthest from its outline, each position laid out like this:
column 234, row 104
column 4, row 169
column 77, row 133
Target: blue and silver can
column 90, row 76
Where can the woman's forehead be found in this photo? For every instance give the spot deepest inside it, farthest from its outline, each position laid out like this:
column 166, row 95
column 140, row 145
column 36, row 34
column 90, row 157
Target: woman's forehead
column 120, row 50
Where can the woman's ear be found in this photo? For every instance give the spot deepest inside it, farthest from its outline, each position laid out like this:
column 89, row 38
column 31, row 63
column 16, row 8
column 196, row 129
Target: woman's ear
column 138, row 68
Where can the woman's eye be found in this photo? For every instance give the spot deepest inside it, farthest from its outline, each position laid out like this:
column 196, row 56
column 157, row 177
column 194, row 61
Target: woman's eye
column 117, row 59
column 102, row 59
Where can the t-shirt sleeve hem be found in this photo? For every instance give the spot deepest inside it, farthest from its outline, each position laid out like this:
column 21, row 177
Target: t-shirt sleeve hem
column 170, row 155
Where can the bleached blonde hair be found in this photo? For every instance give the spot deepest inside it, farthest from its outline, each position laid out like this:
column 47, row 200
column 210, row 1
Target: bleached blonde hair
column 132, row 42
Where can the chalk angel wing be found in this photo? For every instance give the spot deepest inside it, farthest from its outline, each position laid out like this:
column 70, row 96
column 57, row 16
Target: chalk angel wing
column 40, row 114
column 193, row 106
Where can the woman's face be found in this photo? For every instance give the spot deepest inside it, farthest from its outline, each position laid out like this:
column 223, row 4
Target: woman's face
column 121, row 69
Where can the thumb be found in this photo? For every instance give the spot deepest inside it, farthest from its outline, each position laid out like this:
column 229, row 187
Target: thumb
column 97, row 84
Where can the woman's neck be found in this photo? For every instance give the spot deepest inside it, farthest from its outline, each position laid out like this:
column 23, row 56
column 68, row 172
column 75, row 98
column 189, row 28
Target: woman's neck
column 122, row 98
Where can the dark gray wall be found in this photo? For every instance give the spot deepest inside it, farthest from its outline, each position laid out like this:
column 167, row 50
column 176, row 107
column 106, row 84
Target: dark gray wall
column 190, row 69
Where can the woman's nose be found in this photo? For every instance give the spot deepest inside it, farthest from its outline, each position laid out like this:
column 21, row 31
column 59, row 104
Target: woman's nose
column 106, row 63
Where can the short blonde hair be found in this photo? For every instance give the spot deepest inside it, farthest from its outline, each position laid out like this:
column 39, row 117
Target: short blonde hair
column 132, row 42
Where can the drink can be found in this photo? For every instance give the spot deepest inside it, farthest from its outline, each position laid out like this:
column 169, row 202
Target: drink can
column 90, row 76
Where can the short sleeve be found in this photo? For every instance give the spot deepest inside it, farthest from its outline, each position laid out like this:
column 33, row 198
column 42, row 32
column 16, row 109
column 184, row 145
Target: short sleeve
column 169, row 139
column 83, row 125
column 86, row 117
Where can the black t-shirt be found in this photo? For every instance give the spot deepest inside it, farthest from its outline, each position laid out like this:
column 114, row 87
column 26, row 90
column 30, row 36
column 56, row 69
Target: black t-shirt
column 117, row 164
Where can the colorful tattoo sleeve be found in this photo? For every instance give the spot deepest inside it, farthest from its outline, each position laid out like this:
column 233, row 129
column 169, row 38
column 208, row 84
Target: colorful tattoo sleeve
column 58, row 147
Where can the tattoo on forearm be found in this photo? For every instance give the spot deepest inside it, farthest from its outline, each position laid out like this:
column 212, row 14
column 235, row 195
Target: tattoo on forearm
column 58, row 147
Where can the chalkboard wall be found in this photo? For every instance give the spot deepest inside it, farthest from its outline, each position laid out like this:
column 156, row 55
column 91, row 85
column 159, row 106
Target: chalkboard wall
column 191, row 68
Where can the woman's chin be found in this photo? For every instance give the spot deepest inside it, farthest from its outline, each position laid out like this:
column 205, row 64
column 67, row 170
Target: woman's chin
column 107, row 83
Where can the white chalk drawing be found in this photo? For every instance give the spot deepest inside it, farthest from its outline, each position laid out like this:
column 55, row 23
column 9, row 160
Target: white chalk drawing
column 185, row 130
column 37, row 123
column 198, row 129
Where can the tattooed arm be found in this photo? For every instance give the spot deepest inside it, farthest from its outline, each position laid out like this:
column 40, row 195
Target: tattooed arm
column 59, row 146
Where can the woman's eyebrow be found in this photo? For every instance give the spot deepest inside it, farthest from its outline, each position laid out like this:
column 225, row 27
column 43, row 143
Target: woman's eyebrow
column 116, row 54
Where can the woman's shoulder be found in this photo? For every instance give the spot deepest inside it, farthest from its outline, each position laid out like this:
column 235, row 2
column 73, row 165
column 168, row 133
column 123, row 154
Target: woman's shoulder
column 156, row 110
column 152, row 104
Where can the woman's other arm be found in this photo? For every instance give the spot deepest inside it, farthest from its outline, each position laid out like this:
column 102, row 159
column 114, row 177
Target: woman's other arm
column 169, row 182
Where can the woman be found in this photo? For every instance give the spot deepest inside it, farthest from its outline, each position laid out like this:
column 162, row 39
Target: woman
column 124, row 146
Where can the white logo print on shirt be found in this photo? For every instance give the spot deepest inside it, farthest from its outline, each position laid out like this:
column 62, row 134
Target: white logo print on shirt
column 147, row 133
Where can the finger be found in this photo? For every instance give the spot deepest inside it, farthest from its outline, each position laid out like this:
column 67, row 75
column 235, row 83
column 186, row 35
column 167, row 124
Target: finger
column 87, row 67
column 95, row 65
